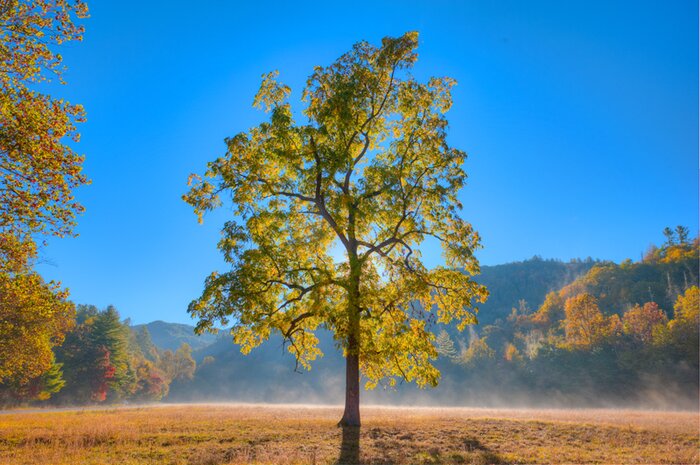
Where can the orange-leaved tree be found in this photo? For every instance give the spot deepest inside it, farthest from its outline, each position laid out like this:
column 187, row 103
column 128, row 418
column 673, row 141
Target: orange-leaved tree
column 584, row 323
column 640, row 321
column 684, row 325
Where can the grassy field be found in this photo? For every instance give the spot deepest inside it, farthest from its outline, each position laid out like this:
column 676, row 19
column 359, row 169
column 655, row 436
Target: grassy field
column 241, row 434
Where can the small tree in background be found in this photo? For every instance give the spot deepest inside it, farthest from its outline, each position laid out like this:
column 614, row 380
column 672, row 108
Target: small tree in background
column 478, row 351
column 151, row 383
column 445, row 346
column 584, row 324
column 682, row 232
column 178, row 365
column 369, row 170
column 103, row 375
column 670, row 236
column 108, row 334
column 640, row 321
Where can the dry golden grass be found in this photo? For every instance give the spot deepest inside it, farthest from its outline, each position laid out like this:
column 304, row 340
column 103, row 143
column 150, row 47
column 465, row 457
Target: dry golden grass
column 241, row 434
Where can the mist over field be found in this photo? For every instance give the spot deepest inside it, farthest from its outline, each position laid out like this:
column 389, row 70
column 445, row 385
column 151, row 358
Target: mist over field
column 600, row 377
column 270, row 378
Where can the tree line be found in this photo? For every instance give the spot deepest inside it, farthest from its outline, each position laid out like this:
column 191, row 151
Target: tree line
column 103, row 360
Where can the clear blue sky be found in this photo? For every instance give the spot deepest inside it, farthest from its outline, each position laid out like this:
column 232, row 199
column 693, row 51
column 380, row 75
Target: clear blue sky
column 580, row 118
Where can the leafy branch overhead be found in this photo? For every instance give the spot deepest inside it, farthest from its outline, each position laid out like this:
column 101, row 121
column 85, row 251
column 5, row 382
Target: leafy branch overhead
column 38, row 170
column 369, row 171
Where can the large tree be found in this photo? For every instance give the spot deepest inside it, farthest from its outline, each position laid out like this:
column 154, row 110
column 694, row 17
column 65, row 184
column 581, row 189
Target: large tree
column 38, row 172
column 367, row 171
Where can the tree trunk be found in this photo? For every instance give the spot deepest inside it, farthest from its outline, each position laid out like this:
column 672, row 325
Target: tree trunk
column 351, row 416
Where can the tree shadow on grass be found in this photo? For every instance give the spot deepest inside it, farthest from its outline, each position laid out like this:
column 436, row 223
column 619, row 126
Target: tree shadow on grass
column 462, row 450
column 350, row 446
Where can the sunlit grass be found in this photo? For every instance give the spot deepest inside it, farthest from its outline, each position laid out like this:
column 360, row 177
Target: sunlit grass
column 241, row 434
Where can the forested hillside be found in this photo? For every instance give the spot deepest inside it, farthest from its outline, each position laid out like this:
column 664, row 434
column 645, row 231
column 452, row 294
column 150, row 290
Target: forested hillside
column 104, row 359
column 528, row 280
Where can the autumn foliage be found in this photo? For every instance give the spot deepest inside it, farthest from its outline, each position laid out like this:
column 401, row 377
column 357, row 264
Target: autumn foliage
column 34, row 317
column 104, row 359
column 38, row 168
column 584, row 324
column 39, row 171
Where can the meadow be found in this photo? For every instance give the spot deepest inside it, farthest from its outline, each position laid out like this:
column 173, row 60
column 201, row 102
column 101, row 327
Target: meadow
column 213, row 434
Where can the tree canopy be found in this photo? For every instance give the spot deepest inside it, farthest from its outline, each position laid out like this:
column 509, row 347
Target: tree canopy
column 367, row 170
column 34, row 317
column 38, row 169
column 38, row 172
